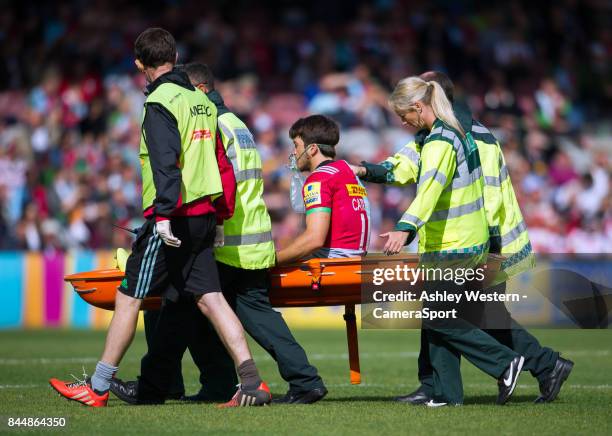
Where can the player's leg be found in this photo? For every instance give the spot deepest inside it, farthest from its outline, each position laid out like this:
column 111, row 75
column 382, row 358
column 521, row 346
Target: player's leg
column 446, row 373
column 162, row 363
column 214, row 306
column 94, row 391
column 121, row 330
column 543, row 363
column 202, row 280
column 425, row 374
column 177, row 387
column 145, row 270
column 217, row 372
column 498, row 322
column 268, row 328
column 145, row 274
column 252, row 391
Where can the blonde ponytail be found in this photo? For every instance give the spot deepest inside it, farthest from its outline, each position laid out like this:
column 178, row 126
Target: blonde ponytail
column 442, row 108
column 413, row 89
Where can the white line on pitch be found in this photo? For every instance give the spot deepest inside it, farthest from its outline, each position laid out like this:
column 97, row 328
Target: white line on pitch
column 312, row 356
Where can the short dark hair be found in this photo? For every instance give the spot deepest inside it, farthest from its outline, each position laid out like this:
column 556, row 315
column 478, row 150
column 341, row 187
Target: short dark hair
column 317, row 129
column 154, row 47
column 200, row 73
column 443, row 80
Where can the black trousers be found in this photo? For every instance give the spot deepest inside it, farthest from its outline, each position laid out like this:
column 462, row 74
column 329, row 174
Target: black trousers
column 539, row 360
column 170, row 331
column 180, row 326
column 247, row 292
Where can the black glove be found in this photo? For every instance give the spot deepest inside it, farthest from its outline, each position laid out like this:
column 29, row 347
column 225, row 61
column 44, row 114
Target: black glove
column 411, row 236
column 375, row 173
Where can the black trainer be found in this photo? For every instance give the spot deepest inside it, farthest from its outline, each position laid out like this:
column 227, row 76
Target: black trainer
column 417, row 397
column 307, row 397
column 549, row 388
column 128, row 392
column 125, row 391
column 507, row 381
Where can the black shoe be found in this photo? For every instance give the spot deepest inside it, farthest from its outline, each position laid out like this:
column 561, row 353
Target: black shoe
column 417, row 397
column 433, row 403
column 549, row 388
column 307, row 397
column 125, row 391
column 176, row 396
column 128, row 392
column 507, row 381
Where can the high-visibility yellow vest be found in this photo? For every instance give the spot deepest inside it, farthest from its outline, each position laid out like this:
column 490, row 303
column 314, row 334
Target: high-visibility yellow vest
column 248, row 233
column 404, row 165
column 507, row 229
column 448, row 210
column 196, row 117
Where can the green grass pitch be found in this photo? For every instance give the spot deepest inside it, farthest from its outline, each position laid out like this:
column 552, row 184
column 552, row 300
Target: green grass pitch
column 388, row 361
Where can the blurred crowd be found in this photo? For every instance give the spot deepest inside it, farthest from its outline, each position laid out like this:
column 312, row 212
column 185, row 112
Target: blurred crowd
column 536, row 73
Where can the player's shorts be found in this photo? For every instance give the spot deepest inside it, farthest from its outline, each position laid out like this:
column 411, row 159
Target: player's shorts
column 156, row 269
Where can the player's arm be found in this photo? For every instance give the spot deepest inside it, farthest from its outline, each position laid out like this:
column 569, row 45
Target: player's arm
column 437, row 170
column 313, row 238
column 226, row 203
column 400, row 169
column 492, row 193
column 163, row 143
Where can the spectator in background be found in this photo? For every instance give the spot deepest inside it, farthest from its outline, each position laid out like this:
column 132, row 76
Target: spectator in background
column 539, row 77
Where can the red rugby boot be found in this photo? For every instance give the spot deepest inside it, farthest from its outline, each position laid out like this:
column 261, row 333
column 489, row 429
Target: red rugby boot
column 80, row 391
column 243, row 398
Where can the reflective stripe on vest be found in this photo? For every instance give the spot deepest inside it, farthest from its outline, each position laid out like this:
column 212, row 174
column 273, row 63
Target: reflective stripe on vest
column 413, row 219
column 457, row 211
column 250, row 174
column 513, row 234
column 256, row 238
column 410, row 154
column 248, row 234
column 497, row 181
column 432, row 174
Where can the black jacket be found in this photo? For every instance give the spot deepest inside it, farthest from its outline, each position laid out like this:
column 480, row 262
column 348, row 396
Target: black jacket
column 163, row 140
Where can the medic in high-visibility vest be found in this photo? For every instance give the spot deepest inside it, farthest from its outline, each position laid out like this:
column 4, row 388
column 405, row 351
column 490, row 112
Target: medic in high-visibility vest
column 336, row 204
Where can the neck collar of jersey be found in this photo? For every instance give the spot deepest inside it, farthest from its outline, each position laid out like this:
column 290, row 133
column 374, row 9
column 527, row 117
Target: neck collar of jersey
column 175, row 76
column 325, row 162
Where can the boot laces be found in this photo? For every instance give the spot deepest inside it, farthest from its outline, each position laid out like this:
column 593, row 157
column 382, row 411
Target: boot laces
column 78, row 381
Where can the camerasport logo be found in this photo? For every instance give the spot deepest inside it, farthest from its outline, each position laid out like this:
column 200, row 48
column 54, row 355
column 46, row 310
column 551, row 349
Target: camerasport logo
column 199, row 135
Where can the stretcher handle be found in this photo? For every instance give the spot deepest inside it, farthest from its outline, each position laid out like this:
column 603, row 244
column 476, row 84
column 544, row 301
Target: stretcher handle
column 353, row 343
column 316, row 269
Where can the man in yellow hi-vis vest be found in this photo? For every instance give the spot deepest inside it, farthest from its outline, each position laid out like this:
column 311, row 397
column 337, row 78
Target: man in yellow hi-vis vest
column 172, row 254
column 508, row 236
column 244, row 251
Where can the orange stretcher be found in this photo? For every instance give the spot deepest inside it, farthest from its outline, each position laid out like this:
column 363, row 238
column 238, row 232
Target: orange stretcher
column 314, row 282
